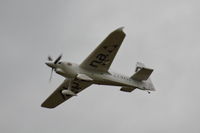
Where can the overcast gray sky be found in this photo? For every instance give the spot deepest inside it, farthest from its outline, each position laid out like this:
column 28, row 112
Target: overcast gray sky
column 162, row 34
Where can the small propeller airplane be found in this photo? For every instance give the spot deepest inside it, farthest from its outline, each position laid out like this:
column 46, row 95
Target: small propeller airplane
column 95, row 70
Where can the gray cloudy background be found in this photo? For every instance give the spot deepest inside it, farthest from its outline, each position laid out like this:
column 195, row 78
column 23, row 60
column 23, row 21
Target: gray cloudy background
column 162, row 34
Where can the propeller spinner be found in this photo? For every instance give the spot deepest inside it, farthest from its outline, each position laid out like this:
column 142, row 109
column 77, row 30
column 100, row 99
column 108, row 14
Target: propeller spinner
column 52, row 64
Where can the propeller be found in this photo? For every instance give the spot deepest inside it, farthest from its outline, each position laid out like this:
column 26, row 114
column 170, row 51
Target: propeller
column 51, row 75
column 58, row 59
column 50, row 58
column 50, row 64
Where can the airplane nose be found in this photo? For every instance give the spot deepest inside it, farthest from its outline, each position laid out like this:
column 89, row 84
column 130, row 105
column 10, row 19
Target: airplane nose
column 52, row 65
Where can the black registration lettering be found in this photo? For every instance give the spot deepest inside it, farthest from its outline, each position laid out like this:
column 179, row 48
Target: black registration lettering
column 100, row 58
column 94, row 63
column 111, row 48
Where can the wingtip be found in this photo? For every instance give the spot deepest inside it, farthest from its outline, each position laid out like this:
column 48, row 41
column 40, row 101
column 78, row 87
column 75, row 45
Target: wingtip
column 120, row 28
column 43, row 105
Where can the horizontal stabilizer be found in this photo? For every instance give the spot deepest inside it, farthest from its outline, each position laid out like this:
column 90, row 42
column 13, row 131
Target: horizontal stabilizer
column 127, row 89
column 142, row 74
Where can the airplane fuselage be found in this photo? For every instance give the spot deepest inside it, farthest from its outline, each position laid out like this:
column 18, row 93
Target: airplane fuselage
column 71, row 70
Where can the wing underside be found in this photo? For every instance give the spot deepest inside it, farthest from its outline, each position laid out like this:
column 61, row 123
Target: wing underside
column 56, row 98
column 102, row 57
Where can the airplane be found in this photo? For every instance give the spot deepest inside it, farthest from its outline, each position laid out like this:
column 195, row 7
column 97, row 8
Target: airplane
column 95, row 70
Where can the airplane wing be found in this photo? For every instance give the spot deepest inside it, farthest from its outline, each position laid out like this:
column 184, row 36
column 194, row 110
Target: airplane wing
column 102, row 57
column 56, row 98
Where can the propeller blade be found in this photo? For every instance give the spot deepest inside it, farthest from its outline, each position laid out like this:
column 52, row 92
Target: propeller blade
column 50, row 58
column 58, row 59
column 51, row 75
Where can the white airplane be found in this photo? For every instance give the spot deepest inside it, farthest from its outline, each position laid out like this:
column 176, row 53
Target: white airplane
column 95, row 70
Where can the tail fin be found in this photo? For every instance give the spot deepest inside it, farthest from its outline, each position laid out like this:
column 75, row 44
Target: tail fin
column 149, row 85
column 143, row 74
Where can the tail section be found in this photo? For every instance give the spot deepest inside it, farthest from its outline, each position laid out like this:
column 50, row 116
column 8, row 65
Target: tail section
column 149, row 85
column 143, row 73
